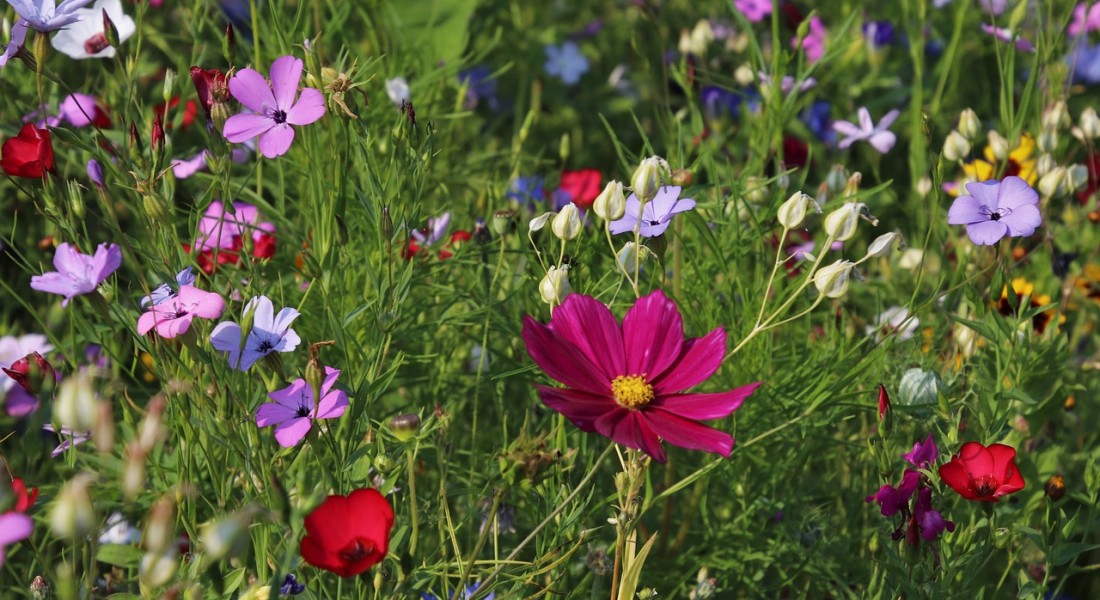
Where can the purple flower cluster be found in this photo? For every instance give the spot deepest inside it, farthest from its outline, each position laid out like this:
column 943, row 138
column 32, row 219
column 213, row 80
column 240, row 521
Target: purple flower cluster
column 912, row 499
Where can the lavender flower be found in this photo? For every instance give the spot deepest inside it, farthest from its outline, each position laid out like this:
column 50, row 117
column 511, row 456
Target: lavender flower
column 293, row 410
column 656, row 215
column 994, row 209
column 269, row 333
column 879, row 136
column 565, row 62
column 272, row 109
column 69, row 438
column 78, row 273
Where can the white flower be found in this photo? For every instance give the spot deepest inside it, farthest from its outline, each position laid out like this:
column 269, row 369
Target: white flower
column 86, row 38
column 398, row 90
column 895, row 320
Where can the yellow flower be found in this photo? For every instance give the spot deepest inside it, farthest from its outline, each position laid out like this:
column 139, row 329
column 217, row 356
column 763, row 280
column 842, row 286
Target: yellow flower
column 1025, row 291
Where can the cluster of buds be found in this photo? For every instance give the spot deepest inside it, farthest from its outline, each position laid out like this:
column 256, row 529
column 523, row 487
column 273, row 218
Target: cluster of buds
column 957, row 145
column 161, row 558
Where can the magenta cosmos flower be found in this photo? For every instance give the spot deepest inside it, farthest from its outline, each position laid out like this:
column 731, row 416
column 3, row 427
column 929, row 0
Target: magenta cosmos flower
column 173, row 316
column 293, row 411
column 78, row 273
column 625, row 381
column 994, row 209
column 272, row 109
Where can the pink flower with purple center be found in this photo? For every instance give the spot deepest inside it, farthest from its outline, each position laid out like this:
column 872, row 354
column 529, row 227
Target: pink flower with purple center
column 293, row 410
column 78, row 273
column 754, row 10
column 1086, row 18
column 995, row 209
column 172, row 317
column 627, row 382
column 272, row 109
column 221, row 226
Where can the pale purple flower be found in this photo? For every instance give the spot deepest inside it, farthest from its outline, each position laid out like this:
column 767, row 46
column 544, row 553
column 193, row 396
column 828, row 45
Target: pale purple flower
column 565, row 62
column 220, row 226
column 437, row 228
column 1007, row 35
column 269, row 333
column 814, row 42
column 994, row 209
column 164, row 291
column 18, row 37
column 86, row 37
column 18, row 401
column 183, row 168
column 95, row 172
column 398, row 91
column 878, row 136
column 1086, row 18
column 48, row 15
column 78, row 273
column 656, row 215
column 117, row 530
column 78, row 110
column 69, row 438
column 993, row 7
column 294, row 410
column 754, row 10
column 923, row 454
column 274, row 108
column 14, row 527
column 787, row 84
column 172, row 317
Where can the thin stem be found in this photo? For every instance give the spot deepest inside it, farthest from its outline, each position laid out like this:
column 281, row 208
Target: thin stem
column 413, row 513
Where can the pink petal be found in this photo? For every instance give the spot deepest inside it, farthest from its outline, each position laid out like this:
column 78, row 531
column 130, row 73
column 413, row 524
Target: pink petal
column 562, row 360
column 170, row 328
column 627, row 427
column 146, row 322
column 290, row 433
column 700, row 358
column 883, row 141
column 14, row 527
column 251, row 89
column 865, row 123
column 310, row 107
column 703, row 407
column 67, row 260
column 56, row 283
column 286, row 72
column 689, row 434
column 107, row 260
column 588, row 324
column 986, row 233
column 245, row 126
column 846, row 129
column 277, row 140
column 332, row 405
column 888, row 119
column 580, row 408
column 653, row 335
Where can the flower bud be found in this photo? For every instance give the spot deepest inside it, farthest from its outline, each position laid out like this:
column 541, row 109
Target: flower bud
column 95, row 172
column 76, row 407
column 1055, row 488
column 133, row 470
column 919, row 386
column 1056, row 116
column 1045, row 164
column 832, row 280
column 610, row 205
column 227, row 537
column 969, row 124
column 956, row 147
column 103, row 434
column 1053, row 183
column 554, row 287
column 841, row 223
column 924, row 186
column 1090, row 123
column 852, row 187
column 503, row 222
column 911, row 258
column 540, row 221
column 837, row 178
column 882, row 244
column 1048, row 141
column 34, row 374
column 160, row 532
column 648, row 177
column 793, row 211
column 567, row 223
column 755, row 190
column 158, row 568
column 744, row 75
column 405, row 427
column 169, row 85
column 682, row 177
column 998, row 145
column 1077, row 177
column 73, row 515
column 40, row 588
column 152, row 426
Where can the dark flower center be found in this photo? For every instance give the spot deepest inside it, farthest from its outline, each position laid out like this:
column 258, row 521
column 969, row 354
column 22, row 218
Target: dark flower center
column 653, row 222
column 279, row 116
column 995, row 215
column 96, row 44
column 303, row 410
column 985, row 486
column 265, row 346
column 356, row 551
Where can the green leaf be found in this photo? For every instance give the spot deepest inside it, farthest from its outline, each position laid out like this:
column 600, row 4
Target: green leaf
column 434, row 29
column 1064, row 553
column 119, row 555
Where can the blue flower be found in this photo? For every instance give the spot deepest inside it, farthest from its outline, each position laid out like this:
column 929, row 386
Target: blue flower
column 1084, row 59
column 879, row 33
column 291, row 586
column 565, row 62
column 527, row 190
column 467, row 593
column 269, row 333
column 719, row 102
column 817, row 119
column 480, row 86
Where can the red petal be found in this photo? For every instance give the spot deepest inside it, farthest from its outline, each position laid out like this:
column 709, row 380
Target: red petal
column 689, row 434
column 703, row 407
column 653, row 335
column 955, row 475
column 562, row 360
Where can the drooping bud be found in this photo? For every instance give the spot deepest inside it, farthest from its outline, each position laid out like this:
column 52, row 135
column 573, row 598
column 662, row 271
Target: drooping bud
column 648, row 177
column 103, row 434
column 852, row 187
column 554, row 287
column 837, row 178
column 227, row 537
column 1090, row 123
column 1053, row 183
column 567, row 223
column 34, row 374
column 158, row 568
column 841, row 224
column 76, row 407
column 73, row 515
column 133, row 470
column 1045, row 164
column 152, row 429
column 882, row 244
column 1077, row 177
column 540, row 221
column 956, row 146
column 1056, row 117
column 1048, row 140
column 160, row 531
column 793, row 211
column 969, row 124
column 632, row 255
column 610, row 205
column 212, row 88
column 998, row 145
column 832, row 280
column 406, row 426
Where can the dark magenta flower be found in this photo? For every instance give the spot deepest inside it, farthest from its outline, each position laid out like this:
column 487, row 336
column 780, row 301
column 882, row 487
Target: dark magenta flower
column 626, row 382
column 923, row 454
column 994, row 209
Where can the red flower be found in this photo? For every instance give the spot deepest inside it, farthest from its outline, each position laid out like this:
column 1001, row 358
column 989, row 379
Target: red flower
column 582, row 186
column 983, row 474
column 627, row 381
column 34, row 377
column 24, row 498
column 212, row 87
column 883, row 401
column 348, row 534
column 28, row 154
column 164, row 111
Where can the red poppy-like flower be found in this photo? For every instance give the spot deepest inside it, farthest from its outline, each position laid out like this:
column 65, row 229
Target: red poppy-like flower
column 626, row 381
column 983, row 474
column 33, row 372
column 24, row 497
column 28, row 154
column 582, row 186
column 348, row 534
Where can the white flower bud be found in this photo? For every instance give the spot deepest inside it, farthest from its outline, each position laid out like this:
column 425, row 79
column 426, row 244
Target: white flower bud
column 1090, row 123
column 1077, row 177
column 793, row 211
column 956, row 146
column 398, row 90
column 540, row 221
column 841, row 223
column 744, row 75
column 924, row 186
column 882, row 244
column 1044, row 165
column 133, row 471
column 911, row 258
column 1053, row 183
column 630, row 254
column 160, row 531
column 832, row 280
column 157, row 568
column 837, row 178
column 554, row 287
column 755, row 190
column 969, row 124
column 76, row 407
column 610, row 205
column 648, row 177
column 1056, row 117
column 998, row 145
column 1048, row 140
column 567, row 224
column 73, row 515
column 226, row 537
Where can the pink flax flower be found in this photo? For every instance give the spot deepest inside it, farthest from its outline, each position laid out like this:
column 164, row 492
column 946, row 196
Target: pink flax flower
column 293, row 410
column 272, row 109
column 78, row 273
column 626, row 381
column 173, row 316
column 14, row 527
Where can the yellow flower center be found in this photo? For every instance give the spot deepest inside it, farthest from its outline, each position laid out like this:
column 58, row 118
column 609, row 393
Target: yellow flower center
column 631, row 391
